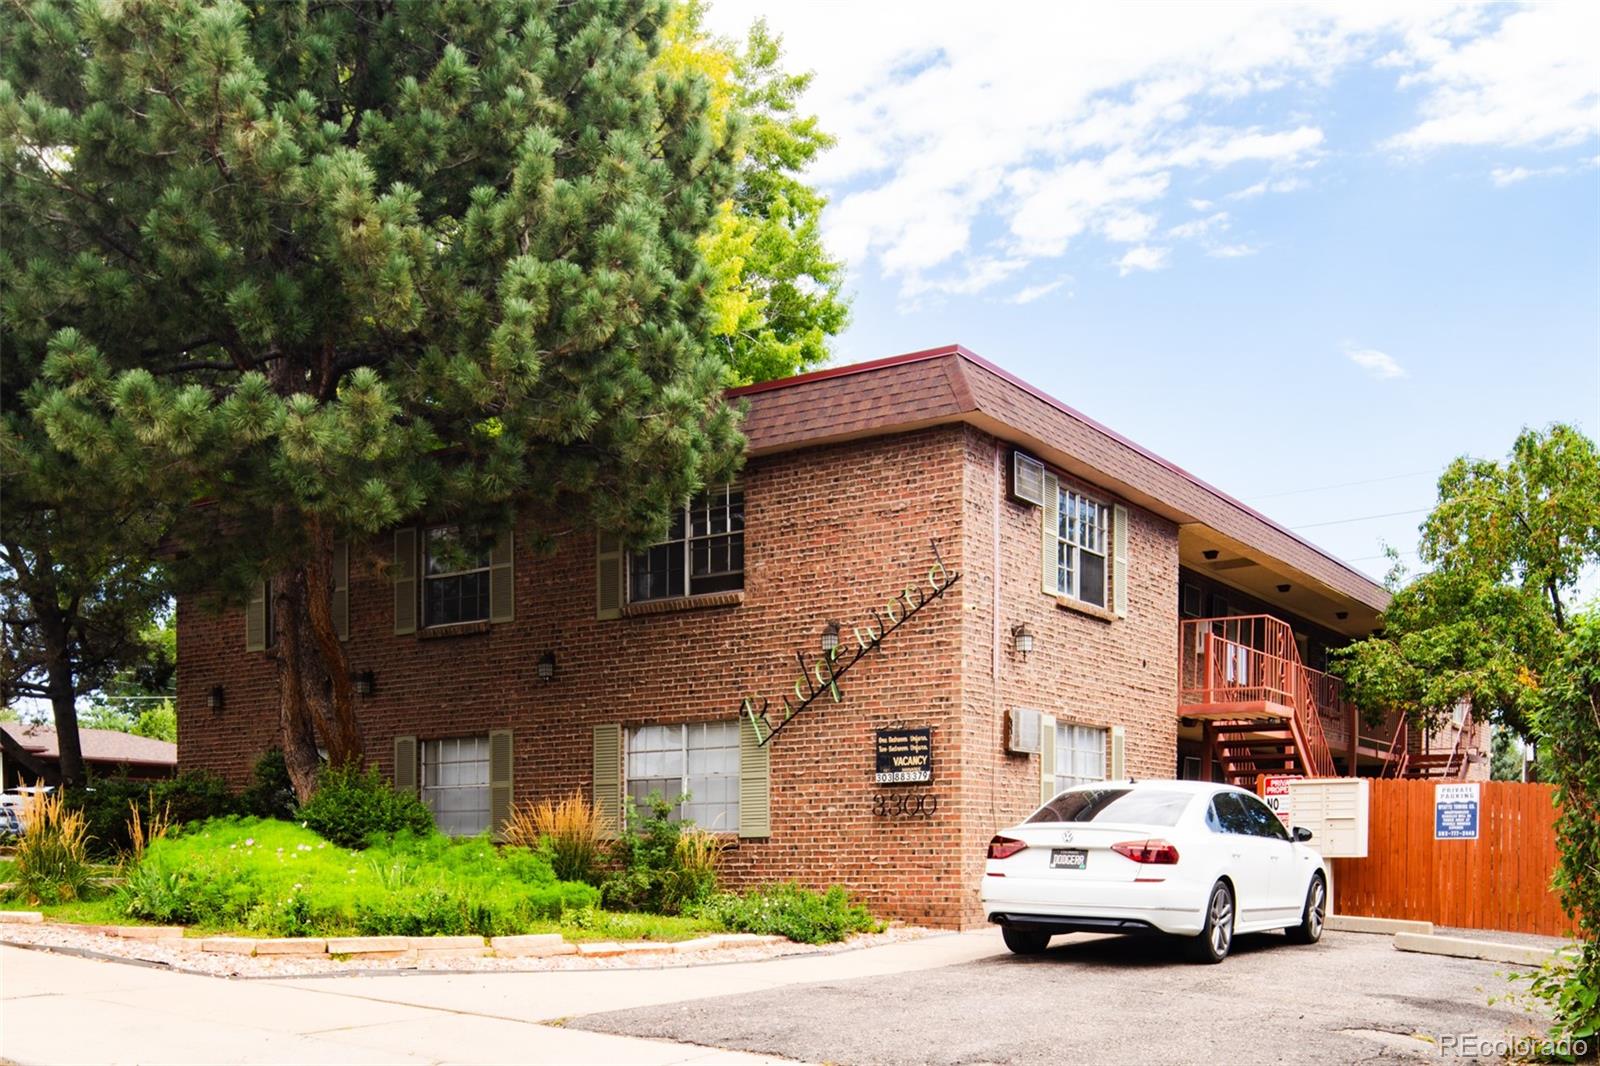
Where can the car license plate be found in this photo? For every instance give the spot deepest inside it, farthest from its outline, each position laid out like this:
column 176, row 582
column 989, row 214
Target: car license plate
column 1068, row 858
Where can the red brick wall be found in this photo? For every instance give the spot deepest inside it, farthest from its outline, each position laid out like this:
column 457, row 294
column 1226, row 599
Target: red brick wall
column 829, row 533
column 1087, row 669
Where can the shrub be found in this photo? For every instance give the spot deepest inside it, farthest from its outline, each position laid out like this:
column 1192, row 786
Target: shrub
column 697, row 856
column 52, row 857
column 1569, row 726
column 650, row 876
column 278, row 879
column 568, row 830
column 350, row 806
column 271, row 793
column 146, row 828
column 190, row 797
column 789, row 910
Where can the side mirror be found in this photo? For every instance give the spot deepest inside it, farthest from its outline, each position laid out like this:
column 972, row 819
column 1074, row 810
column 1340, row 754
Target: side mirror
column 1302, row 834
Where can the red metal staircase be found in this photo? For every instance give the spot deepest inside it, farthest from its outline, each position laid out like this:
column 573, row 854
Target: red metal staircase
column 1243, row 678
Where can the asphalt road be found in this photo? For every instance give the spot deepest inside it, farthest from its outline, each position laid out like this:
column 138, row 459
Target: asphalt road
column 1351, row 998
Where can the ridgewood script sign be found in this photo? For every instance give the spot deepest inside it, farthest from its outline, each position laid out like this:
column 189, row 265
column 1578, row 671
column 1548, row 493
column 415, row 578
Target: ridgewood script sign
column 823, row 675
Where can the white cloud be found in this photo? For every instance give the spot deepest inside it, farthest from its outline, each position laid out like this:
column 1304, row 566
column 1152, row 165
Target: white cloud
column 1035, row 292
column 1528, row 80
column 1264, row 186
column 1019, row 132
column 1144, row 257
column 1232, row 251
column 1380, row 365
column 1503, row 176
column 1199, row 227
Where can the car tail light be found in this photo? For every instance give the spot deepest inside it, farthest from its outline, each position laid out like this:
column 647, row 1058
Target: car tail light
column 1004, row 847
column 1156, row 852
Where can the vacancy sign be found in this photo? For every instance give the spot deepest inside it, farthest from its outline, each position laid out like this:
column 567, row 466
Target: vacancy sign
column 1455, row 812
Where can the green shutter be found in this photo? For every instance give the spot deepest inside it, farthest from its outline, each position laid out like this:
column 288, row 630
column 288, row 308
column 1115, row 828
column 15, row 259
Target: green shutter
column 755, row 783
column 608, row 561
column 405, row 764
column 404, row 573
column 1119, row 560
column 608, row 778
column 1119, row 760
column 502, row 583
column 500, row 767
column 1050, row 524
column 341, row 589
column 1047, row 759
column 255, row 619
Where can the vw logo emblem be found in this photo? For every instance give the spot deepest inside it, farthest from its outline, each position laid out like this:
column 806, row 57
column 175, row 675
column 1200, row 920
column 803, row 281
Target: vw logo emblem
column 1066, row 838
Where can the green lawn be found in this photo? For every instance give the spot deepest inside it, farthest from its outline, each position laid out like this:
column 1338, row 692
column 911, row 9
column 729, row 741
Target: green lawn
column 257, row 877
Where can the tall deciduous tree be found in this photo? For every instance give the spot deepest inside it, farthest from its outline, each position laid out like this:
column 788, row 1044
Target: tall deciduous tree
column 777, row 295
column 1507, row 544
column 316, row 269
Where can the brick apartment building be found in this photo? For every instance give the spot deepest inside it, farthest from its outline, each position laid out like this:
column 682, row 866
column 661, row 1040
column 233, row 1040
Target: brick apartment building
column 1114, row 616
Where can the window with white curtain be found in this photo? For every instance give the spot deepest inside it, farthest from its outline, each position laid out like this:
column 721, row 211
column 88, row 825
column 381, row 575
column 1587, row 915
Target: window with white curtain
column 1080, row 755
column 455, row 784
column 699, row 760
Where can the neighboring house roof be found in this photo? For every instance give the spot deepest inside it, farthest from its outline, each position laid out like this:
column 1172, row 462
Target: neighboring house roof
column 99, row 745
column 951, row 384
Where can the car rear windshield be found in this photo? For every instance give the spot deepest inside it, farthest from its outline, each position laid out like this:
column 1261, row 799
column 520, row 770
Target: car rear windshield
column 1145, row 806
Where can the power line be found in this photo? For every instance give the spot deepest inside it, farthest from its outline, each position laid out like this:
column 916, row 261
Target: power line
column 1340, row 485
column 1363, row 518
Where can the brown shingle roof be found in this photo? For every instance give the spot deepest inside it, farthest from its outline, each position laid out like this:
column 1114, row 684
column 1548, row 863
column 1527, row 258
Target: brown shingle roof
column 951, row 384
column 99, row 745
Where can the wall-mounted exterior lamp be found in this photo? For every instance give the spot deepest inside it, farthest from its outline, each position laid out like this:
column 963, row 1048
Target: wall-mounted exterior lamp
column 366, row 683
column 1022, row 640
column 547, row 666
column 830, row 637
column 215, row 700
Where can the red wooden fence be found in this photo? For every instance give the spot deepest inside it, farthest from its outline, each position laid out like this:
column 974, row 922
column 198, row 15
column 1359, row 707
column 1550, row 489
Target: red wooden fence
column 1499, row 881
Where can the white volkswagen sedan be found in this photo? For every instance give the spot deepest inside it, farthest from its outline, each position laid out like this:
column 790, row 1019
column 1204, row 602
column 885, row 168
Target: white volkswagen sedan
column 1189, row 858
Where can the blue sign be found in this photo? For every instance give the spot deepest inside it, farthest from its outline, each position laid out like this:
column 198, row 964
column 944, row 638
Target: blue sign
column 1455, row 812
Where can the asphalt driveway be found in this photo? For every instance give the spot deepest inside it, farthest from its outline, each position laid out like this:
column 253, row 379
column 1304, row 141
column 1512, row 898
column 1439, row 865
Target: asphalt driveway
column 1351, row 998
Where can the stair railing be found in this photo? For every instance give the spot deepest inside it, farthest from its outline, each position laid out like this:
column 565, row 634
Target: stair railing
column 1399, row 755
column 1453, row 771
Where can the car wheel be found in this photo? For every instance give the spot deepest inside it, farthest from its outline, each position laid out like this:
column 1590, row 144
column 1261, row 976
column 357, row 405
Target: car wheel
column 1025, row 941
column 1217, row 936
column 1309, row 931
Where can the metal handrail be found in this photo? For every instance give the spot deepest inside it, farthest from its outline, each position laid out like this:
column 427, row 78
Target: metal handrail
column 1450, row 771
column 1399, row 755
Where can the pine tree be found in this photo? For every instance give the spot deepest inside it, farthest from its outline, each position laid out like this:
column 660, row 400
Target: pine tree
column 312, row 270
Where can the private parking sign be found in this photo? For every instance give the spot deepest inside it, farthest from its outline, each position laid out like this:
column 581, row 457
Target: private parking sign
column 1455, row 812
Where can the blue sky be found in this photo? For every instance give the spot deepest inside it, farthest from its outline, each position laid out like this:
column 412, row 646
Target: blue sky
column 1288, row 248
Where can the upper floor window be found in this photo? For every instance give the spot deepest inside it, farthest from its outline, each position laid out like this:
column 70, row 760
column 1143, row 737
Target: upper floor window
column 1081, row 533
column 703, row 552
column 455, row 575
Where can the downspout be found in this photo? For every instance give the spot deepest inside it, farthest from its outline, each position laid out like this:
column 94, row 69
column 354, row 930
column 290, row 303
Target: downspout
column 994, row 642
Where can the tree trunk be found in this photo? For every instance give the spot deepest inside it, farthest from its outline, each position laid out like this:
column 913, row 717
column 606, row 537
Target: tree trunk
column 63, row 692
column 316, row 700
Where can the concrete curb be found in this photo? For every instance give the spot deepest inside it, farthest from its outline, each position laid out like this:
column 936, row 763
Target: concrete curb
column 419, row 948
column 1462, row 948
column 1357, row 923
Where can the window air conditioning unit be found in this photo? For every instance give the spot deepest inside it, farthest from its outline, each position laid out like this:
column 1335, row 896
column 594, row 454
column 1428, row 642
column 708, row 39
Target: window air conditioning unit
column 1027, row 478
column 1022, row 738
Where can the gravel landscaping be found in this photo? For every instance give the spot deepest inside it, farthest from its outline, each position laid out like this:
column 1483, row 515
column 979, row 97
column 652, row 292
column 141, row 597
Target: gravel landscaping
column 186, row 954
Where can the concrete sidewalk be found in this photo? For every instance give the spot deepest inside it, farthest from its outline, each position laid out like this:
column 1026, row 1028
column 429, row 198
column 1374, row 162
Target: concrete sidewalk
column 63, row 1009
